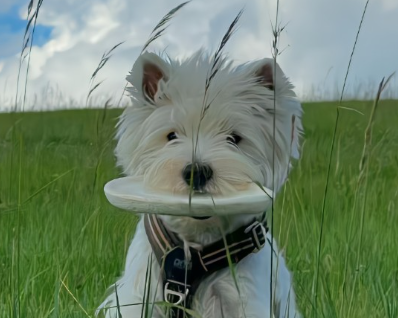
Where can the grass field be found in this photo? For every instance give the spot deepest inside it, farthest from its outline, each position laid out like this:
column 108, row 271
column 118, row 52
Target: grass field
column 62, row 244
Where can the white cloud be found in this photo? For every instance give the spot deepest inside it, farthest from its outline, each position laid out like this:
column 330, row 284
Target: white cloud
column 390, row 4
column 7, row 4
column 318, row 40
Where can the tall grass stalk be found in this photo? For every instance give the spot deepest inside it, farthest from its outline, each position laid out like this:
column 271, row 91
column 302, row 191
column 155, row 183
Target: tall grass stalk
column 157, row 32
column 34, row 19
column 145, row 296
column 276, row 32
column 101, row 145
column 363, row 178
column 75, row 299
column 25, row 42
column 104, row 59
column 119, row 314
column 315, row 295
column 18, row 232
column 211, row 74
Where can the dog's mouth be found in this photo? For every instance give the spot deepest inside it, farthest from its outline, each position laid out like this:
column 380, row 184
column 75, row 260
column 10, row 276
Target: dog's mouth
column 201, row 217
column 200, row 191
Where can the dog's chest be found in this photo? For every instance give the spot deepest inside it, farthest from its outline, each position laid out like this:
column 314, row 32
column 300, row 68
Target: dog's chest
column 237, row 295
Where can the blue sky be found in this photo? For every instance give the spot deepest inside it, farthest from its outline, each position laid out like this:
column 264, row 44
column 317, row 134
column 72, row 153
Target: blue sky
column 12, row 28
column 72, row 35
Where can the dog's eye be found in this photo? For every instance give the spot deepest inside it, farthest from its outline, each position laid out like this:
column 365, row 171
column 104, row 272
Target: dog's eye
column 234, row 139
column 171, row 136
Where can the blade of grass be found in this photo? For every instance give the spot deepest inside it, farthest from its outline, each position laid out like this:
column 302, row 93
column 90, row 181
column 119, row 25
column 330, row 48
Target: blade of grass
column 315, row 295
column 231, row 267
column 276, row 30
column 55, row 313
column 148, row 293
column 74, row 298
column 25, row 42
column 156, row 33
column 18, row 232
column 103, row 61
column 214, row 69
column 35, row 15
column 119, row 314
column 146, row 286
column 46, row 186
column 364, row 178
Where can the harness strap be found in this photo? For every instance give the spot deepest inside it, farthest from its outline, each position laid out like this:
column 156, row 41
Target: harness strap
column 181, row 277
column 162, row 240
column 238, row 244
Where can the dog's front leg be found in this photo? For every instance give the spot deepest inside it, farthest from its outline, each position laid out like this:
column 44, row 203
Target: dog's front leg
column 129, row 296
column 284, row 296
column 217, row 299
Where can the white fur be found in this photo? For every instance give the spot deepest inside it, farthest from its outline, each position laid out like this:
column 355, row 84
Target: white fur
column 240, row 104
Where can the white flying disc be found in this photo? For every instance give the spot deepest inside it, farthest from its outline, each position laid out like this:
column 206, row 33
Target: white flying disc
column 130, row 194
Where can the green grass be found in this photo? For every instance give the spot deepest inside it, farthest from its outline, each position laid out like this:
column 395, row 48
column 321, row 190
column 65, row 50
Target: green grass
column 57, row 229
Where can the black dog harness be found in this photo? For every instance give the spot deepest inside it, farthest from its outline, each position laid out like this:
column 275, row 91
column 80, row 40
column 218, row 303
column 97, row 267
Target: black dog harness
column 181, row 277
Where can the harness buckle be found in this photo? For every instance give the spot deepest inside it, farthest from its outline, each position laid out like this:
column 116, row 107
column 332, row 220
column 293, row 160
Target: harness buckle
column 169, row 294
column 258, row 237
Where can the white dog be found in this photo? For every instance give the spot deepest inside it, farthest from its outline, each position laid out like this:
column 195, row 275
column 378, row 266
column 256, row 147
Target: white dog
column 214, row 134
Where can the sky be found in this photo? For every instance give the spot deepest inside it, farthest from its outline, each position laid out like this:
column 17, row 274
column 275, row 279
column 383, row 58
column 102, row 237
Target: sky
column 72, row 35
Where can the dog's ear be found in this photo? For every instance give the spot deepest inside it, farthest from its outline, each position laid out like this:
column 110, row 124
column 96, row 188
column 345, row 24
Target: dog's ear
column 269, row 74
column 265, row 74
column 148, row 72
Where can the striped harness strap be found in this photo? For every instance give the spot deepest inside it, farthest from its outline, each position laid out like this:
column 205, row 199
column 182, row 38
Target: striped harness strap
column 181, row 277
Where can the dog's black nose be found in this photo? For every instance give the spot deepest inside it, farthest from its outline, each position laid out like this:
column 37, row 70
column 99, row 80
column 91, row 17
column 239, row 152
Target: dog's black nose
column 201, row 174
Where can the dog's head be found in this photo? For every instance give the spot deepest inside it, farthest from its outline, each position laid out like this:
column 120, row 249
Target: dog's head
column 188, row 130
